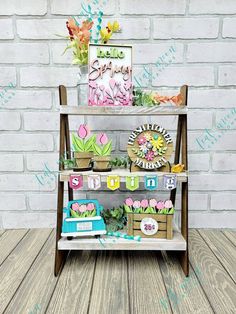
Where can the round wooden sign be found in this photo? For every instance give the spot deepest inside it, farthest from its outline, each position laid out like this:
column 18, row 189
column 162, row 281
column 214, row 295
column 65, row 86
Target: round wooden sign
column 150, row 146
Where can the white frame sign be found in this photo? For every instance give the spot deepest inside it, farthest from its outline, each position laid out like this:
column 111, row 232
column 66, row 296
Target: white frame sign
column 110, row 75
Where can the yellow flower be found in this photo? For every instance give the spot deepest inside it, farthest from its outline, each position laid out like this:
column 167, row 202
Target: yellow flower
column 157, row 143
column 107, row 32
column 148, row 136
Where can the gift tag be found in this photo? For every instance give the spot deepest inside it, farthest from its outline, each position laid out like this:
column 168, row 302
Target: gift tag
column 94, row 182
column 132, row 183
column 113, row 182
column 169, row 182
column 149, row 226
column 76, row 181
column 151, row 182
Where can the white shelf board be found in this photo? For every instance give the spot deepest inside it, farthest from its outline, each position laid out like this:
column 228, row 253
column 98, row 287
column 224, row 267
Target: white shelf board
column 178, row 243
column 125, row 111
column 123, row 173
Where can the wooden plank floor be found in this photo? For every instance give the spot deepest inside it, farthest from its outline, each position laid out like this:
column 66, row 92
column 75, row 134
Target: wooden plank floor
column 104, row 282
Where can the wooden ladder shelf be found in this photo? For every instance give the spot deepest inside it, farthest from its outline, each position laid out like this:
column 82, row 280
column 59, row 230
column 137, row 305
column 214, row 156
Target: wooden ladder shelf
column 179, row 243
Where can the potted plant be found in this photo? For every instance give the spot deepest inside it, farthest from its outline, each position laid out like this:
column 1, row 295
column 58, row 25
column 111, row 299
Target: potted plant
column 83, row 147
column 114, row 218
column 102, row 153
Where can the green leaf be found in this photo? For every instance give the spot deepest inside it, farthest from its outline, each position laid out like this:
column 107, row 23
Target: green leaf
column 171, row 211
column 77, row 143
column 127, row 209
column 74, row 214
column 88, row 146
column 106, row 151
column 97, row 150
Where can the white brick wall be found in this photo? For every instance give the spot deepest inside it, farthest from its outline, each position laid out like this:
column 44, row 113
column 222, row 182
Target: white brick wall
column 203, row 34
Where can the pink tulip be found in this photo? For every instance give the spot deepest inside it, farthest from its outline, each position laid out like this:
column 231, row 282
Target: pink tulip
column 102, row 138
column 75, row 206
column 82, row 208
column 153, row 203
column 168, row 204
column 136, row 204
column 129, row 202
column 83, row 131
column 144, row 203
column 90, row 207
column 160, row 205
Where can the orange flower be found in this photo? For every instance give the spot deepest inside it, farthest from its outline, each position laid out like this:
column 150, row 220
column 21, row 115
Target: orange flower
column 177, row 100
column 81, row 33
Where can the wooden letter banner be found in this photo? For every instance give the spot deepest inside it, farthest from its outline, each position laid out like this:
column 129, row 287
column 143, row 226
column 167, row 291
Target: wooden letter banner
column 150, row 146
column 76, row 181
column 110, row 75
column 94, row 182
column 132, row 183
column 151, row 182
column 113, row 182
column 169, row 181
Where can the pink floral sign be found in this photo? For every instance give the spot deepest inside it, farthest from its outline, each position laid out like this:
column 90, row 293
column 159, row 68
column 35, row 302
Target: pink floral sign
column 110, row 75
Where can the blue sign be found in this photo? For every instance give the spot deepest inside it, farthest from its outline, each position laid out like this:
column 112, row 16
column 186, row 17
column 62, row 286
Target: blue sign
column 151, row 182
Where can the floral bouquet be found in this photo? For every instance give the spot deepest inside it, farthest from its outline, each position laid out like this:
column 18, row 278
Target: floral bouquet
column 150, row 146
column 149, row 99
column 82, row 210
column 80, row 35
column 149, row 207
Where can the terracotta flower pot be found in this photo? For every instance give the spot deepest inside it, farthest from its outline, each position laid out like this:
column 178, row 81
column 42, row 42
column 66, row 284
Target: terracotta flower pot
column 102, row 163
column 83, row 160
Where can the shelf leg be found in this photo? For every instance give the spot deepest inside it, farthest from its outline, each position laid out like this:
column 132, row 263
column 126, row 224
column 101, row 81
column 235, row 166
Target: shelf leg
column 60, row 256
column 184, row 259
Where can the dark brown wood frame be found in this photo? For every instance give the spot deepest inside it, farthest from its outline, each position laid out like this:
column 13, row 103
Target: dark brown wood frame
column 181, row 148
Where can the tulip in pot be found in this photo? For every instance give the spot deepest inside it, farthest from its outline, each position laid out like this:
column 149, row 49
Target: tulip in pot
column 102, row 153
column 83, row 148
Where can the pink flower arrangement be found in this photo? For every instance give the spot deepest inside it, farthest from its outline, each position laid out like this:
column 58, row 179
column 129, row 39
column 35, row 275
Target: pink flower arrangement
column 82, row 210
column 149, row 207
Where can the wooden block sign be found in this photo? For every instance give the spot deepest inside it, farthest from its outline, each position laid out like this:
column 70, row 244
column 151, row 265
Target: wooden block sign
column 150, row 146
column 110, row 75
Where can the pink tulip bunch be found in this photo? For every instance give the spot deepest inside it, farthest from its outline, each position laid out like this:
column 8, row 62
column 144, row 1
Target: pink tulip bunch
column 82, row 142
column 82, row 210
column 152, row 206
column 102, row 147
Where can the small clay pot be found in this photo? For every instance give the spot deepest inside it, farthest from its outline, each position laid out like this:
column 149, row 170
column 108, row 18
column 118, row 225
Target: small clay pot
column 83, row 160
column 101, row 163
